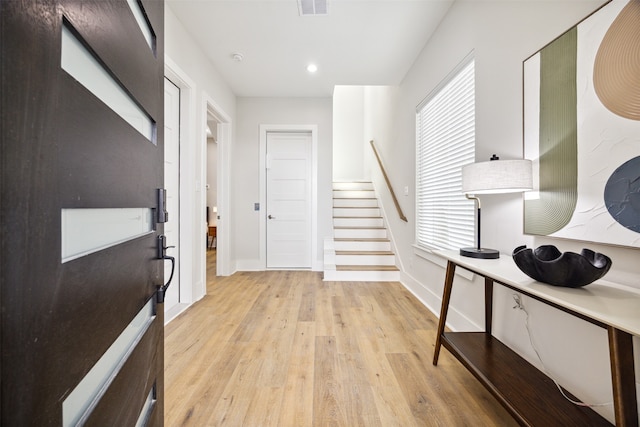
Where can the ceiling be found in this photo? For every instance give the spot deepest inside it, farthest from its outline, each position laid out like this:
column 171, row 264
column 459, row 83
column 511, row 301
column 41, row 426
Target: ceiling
column 359, row 42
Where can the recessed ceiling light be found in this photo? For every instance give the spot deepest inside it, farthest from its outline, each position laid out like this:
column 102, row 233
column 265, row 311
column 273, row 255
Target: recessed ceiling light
column 312, row 68
column 237, row 56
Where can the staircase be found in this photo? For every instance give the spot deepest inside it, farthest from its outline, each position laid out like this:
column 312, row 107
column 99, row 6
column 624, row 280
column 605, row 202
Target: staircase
column 360, row 249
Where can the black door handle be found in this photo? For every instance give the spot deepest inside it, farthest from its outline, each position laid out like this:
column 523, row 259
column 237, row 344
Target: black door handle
column 162, row 254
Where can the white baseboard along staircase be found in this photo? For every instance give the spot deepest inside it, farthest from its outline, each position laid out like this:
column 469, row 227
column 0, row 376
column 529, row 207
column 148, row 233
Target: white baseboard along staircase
column 360, row 249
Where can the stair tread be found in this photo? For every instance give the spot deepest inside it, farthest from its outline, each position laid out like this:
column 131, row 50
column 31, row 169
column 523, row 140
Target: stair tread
column 364, row 253
column 363, row 227
column 366, row 268
column 360, row 239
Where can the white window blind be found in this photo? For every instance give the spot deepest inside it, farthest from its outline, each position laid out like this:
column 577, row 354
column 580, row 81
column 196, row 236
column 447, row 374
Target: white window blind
column 445, row 134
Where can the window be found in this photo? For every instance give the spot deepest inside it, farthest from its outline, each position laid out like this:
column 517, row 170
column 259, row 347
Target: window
column 445, row 132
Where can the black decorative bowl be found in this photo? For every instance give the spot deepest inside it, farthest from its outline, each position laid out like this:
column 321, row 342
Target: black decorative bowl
column 547, row 264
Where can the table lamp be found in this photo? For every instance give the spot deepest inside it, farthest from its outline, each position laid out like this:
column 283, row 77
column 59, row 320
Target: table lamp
column 493, row 177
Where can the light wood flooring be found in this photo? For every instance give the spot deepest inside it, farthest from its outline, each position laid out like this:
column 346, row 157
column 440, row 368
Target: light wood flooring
column 284, row 348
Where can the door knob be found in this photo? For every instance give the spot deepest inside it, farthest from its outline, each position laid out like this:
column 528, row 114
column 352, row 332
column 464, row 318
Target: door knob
column 271, row 217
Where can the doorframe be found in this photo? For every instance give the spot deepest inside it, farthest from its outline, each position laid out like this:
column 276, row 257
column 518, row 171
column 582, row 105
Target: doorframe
column 223, row 263
column 187, row 129
column 171, row 311
column 264, row 129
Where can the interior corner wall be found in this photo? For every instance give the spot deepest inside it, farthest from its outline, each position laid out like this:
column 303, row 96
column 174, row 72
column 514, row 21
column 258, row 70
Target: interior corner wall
column 501, row 36
column 185, row 53
column 348, row 133
column 251, row 113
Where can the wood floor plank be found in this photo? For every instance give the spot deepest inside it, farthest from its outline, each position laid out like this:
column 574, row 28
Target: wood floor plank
column 284, row 348
column 264, row 408
column 324, row 309
column 307, row 311
column 352, row 292
column 386, row 330
column 232, row 406
column 191, row 402
column 297, row 400
column 343, row 328
column 327, row 408
column 356, row 392
column 419, row 395
column 413, row 310
column 391, row 405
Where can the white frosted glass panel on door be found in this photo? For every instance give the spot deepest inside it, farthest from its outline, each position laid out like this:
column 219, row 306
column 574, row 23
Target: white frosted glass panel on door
column 85, row 231
column 82, row 66
column 142, row 22
column 146, row 409
column 86, row 394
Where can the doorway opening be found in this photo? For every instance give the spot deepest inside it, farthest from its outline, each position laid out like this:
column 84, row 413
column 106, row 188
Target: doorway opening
column 216, row 178
column 212, row 187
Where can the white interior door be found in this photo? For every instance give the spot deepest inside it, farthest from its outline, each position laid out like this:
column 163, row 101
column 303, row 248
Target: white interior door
column 172, row 184
column 288, row 210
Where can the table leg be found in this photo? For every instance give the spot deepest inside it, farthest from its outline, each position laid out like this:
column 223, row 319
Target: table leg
column 623, row 377
column 446, row 296
column 488, row 304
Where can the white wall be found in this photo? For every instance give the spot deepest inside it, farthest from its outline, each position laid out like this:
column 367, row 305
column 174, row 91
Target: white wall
column 182, row 50
column 502, row 35
column 348, row 133
column 380, row 117
column 251, row 113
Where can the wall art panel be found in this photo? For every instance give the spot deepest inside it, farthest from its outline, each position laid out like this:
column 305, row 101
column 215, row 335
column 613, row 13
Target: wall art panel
column 582, row 130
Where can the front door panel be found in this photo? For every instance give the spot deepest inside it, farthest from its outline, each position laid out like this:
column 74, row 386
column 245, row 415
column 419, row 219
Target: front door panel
column 68, row 149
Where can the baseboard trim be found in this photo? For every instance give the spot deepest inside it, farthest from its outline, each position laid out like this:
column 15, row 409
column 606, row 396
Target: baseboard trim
column 456, row 321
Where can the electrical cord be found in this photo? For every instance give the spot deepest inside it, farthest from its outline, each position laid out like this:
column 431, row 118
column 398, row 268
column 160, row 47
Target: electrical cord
column 519, row 305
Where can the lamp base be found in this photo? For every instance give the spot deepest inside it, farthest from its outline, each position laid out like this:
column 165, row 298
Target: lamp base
column 481, row 253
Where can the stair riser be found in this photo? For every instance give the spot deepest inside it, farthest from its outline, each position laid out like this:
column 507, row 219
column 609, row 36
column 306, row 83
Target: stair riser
column 362, row 276
column 352, row 186
column 365, row 260
column 362, row 246
column 356, row 211
column 352, row 233
column 358, row 222
column 354, row 194
column 355, row 203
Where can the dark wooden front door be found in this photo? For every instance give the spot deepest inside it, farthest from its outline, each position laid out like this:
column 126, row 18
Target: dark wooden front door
column 80, row 174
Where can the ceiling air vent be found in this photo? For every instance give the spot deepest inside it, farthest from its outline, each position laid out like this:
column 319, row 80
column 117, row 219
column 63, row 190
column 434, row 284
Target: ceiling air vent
column 312, row 7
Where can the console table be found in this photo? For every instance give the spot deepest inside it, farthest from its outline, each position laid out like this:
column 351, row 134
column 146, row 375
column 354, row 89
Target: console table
column 528, row 394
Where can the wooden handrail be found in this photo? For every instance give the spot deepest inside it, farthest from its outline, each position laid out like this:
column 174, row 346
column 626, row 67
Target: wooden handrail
column 386, row 178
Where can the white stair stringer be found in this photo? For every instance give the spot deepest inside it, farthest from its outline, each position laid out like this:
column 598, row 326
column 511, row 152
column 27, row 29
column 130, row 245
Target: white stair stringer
column 360, row 249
